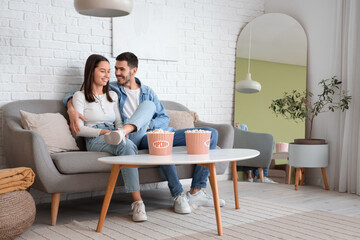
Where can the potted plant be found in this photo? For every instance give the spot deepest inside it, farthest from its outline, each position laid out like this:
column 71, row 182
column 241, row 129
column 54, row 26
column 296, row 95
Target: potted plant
column 299, row 105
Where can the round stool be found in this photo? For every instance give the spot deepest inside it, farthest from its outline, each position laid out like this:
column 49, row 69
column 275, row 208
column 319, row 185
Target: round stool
column 17, row 213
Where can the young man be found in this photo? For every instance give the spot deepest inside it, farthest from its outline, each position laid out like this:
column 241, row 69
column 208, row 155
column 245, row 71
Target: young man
column 131, row 93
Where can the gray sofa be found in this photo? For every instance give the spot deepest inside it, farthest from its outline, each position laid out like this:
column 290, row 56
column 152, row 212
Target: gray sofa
column 78, row 171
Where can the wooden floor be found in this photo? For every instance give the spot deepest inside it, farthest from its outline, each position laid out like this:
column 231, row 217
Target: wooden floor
column 263, row 208
column 309, row 197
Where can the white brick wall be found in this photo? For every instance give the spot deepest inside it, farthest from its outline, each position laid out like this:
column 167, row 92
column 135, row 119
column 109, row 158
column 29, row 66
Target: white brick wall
column 44, row 44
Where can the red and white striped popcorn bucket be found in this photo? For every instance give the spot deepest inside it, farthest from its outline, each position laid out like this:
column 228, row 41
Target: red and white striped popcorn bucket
column 160, row 143
column 197, row 142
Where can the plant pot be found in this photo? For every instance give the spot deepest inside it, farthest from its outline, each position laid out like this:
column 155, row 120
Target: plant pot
column 309, row 141
column 308, row 155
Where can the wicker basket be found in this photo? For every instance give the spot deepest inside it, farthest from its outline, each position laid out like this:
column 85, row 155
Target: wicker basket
column 17, row 213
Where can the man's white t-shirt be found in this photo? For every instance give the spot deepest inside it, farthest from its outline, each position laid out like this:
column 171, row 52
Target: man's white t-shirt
column 132, row 101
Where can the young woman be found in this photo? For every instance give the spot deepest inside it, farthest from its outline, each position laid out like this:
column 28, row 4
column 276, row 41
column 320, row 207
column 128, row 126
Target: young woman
column 103, row 129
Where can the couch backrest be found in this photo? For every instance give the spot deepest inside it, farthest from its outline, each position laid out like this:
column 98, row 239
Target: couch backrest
column 170, row 105
column 11, row 111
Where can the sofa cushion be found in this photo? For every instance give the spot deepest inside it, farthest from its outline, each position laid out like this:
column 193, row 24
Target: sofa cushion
column 75, row 162
column 80, row 162
column 182, row 119
column 53, row 128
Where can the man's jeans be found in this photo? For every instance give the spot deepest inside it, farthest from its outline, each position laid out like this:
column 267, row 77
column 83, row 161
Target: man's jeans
column 141, row 119
column 200, row 174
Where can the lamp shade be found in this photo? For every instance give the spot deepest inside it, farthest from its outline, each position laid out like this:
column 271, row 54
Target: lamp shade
column 248, row 85
column 104, row 8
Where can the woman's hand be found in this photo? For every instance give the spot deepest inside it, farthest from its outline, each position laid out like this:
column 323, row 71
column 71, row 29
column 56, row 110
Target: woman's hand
column 104, row 131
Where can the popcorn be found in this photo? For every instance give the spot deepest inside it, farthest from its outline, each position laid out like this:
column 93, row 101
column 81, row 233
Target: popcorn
column 158, row 131
column 197, row 131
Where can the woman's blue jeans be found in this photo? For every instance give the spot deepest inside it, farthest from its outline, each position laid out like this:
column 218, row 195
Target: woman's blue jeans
column 200, row 174
column 141, row 119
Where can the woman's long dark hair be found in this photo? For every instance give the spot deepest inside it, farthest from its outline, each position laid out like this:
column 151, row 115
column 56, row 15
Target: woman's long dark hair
column 91, row 63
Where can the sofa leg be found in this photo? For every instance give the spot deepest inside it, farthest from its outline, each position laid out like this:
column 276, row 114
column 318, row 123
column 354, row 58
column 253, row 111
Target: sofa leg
column 55, row 200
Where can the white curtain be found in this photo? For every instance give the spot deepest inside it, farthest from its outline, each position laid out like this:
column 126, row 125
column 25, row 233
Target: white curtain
column 345, row 172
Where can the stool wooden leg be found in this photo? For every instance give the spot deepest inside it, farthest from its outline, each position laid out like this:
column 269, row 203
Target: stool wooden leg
column 324, row 178
column 55, row 200
column 297, row 177
column 289, row 174
column 235, row 178
column 302, row 176
column 261, row 174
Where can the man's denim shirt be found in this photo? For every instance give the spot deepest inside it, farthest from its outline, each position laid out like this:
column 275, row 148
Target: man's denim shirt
column 160, row 118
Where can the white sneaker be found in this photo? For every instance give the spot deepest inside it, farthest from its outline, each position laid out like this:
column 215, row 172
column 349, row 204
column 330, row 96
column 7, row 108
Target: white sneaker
column 250, row 180
column 266, row 180
column 139, row 214
column 115, row 137
column 181, row 204
column 202, row 199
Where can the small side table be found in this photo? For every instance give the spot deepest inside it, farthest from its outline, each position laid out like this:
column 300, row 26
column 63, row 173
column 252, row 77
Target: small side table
column 303, row 156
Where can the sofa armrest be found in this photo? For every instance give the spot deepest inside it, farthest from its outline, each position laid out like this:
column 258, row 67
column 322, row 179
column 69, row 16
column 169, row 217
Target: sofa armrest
column 226, row 133
column 25, row 148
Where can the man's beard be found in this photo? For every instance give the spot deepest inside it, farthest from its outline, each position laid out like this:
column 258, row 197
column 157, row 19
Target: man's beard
column 127, row 80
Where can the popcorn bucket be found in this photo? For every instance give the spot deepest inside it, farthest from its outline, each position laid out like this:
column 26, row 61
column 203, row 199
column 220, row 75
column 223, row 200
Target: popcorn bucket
column 160, row 143
column 197, row 142
column 282, row 147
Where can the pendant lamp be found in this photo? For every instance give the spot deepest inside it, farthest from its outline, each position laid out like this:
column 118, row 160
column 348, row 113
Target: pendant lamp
column 104, row 8
column 248, row 85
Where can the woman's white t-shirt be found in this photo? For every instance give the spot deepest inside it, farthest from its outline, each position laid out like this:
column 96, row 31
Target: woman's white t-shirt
column 100, row 111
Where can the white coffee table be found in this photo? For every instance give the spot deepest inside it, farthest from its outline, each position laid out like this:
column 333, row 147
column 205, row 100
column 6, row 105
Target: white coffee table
column 206, row 160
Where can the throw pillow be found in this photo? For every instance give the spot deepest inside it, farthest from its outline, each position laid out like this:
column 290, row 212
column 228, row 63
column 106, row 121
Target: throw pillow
column 182, row 119
column 53, row 128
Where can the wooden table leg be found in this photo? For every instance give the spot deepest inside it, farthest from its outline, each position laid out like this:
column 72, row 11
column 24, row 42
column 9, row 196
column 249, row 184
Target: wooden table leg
column 289, row 174
column 261, row 174
column 297, row 177
column 109, row 192
column 235, row 178
column 214, row 188
column 324, row 178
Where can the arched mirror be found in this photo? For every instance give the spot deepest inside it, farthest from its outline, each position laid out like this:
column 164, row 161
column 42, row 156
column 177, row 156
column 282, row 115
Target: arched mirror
column 278, row 57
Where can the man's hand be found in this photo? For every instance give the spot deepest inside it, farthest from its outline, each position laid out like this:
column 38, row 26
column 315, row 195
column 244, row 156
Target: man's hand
column 74, row 118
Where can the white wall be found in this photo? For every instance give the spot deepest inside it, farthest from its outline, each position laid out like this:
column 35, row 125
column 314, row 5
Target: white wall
column 44, row 44
column 319, row 19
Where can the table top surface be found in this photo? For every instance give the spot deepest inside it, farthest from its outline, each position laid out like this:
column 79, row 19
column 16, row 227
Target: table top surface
column 214, row 156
